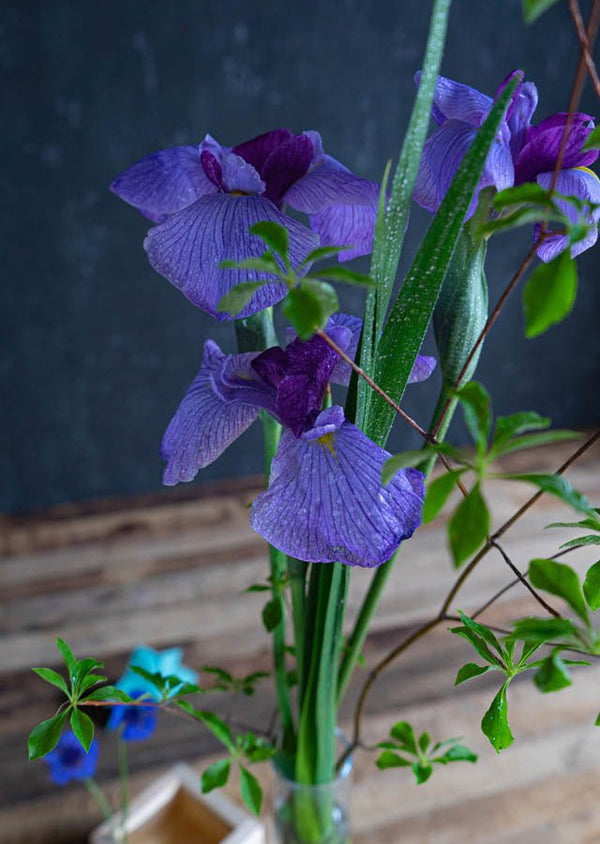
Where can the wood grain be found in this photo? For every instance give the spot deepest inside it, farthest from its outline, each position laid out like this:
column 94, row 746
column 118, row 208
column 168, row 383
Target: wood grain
column 172, row 570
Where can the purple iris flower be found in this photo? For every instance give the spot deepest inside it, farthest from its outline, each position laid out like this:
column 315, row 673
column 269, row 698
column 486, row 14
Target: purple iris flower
column 325, row 501
column 137, row 722
column 521, row 153
column 69, row 761
column 205, row 198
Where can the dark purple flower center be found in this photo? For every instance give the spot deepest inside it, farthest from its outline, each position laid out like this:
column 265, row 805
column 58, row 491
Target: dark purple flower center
column 300, row 375
column 70, row 755
column 279, row 157
column 543, row 143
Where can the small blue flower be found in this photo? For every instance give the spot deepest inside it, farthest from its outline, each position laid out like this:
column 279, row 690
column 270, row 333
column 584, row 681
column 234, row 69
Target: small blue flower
column 137, row 722
column 167, row 663
column 69, row 761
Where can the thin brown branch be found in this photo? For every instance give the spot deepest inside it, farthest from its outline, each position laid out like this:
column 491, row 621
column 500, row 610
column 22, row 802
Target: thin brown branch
column 521, row 577
column 575, row 11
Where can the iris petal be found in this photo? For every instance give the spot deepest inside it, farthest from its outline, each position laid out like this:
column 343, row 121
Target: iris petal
column 325, row 502
column 583, row 184
column 189, row 246
column 204, row 425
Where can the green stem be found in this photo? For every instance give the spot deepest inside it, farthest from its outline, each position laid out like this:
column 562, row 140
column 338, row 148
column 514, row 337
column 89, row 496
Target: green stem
column 101, row 801
column 124, row 783
column 297, row 570
column 271, row 434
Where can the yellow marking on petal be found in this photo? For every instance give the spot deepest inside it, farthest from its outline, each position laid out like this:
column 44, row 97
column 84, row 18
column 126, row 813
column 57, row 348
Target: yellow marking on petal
column 327, row 442
column 587, row 170
column 238, row 193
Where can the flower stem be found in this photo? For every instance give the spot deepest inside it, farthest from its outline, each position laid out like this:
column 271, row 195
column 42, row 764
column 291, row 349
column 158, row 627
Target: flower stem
column 124, row 783
column 99, row 798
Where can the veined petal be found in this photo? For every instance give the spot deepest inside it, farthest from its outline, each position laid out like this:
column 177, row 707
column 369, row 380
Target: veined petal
column 325, row 502
column 520, row 118
column 456, row 101
column 189, row 246
column 240, row 176
column 329, row 183
column 442, row 155
column 204, row 424
column 585, row 185
column 344, row 330
column 346, row 225
column 543, row 143
column 164, row 182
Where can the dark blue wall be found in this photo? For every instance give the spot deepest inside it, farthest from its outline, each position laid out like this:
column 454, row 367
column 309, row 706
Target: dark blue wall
column 98, row 348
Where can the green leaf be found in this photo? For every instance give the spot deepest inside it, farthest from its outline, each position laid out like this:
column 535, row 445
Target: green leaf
column 258, row 587
column 559, row 579
column 409, row 318
column 457, row 753
column 157, row 680
column 479, row 644
column 543, row 629
column 469, row 526
column 560, row 487
column 494, row 724
column 597, row 721
column 592, row 140
column 591, row 586
column 251, row 790
column 217, row 727
column 534, row 440
column 582, row 541
column 424, row 742
column 470, row 670
column 390, row 759
column 481, row 630
column 238, row 297
column 272, row 614
column 218, row 672
column 52, row 677
column 475, row 401
column 83, row 727
column 323, row 252
column 44, row 736
column 521, row 217
column 584, row 524
column 266, row 264
column 107, row 693
column 421, row 771
column 529, row 193
column 308, row 307
column 341, row 274
column 404, row 460
column 532, row 9
column 549, row 294
column 438, row 492
column 552, row 675
column 518, row 423
column 67, row 655
column 404, row 735
column 276, row 237
column 216, row 775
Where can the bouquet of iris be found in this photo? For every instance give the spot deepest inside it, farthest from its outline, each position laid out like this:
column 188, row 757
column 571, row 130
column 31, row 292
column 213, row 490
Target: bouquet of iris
column 335, row 498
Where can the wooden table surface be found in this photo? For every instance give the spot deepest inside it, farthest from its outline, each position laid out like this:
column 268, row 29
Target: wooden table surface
column 171, row 570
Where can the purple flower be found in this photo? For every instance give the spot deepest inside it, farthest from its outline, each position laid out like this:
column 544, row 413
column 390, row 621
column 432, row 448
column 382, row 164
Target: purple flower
column 69, row 761
column 205, row 198
column 137, row 722
column 325, row 501
column 521, row 153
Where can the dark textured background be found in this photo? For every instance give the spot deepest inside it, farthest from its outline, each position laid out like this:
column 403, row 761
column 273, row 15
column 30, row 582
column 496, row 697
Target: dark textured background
column 98, row 348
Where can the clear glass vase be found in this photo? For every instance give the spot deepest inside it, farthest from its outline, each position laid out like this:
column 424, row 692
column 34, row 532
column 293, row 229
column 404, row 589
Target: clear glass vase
column 312, row 814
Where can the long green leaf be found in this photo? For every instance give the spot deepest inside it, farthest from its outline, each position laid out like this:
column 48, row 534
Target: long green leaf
column 405, row 329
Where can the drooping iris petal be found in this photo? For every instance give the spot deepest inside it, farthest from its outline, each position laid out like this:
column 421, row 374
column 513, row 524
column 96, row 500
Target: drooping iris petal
column 257, row 150
column 585, row 185
column 204, row 424
column 239, row 176
column 325, row 502
column 189, row 246
column 327, row 184
column 543, row 143
column 442, row 155
column 69, row 761
column 346, row 225
column 286, row 165
column 164, row 182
